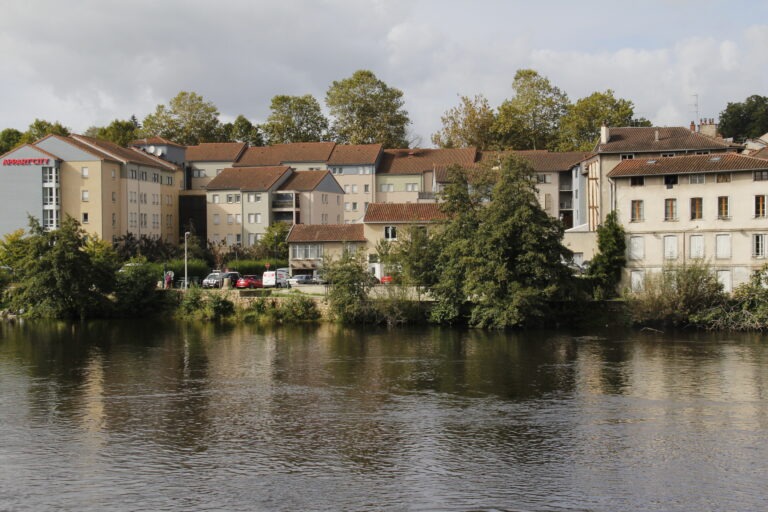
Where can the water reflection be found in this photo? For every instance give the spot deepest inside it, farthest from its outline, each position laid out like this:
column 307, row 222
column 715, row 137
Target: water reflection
column 173, row 416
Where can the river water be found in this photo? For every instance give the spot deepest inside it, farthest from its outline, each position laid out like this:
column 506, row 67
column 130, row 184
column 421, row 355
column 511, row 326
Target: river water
column 152, row 416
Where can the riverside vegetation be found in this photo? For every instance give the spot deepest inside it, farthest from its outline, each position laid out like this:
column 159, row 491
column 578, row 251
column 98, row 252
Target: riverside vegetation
column 496, row 262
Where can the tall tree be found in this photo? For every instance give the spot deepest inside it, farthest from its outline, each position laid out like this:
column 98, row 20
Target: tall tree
column 468, row 125
column 580, row 126
column 40, row 128
column 531, row 119
column 610, row 259
column 295, row 119
column 9, row 139
column 366, row 110
column 244, row 131
column 745, row 120
column 121, row 132
column 188, row 119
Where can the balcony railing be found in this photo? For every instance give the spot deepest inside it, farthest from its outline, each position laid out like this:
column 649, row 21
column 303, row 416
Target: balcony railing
column 284, row 203
column 427, row 195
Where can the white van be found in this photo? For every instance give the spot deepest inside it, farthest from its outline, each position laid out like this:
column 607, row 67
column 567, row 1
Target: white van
column 277, row 278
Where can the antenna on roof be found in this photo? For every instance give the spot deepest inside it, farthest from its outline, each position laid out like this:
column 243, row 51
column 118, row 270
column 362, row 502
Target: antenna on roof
column 695, row 105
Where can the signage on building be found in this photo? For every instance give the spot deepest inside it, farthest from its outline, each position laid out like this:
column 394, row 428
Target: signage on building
column 26, row 161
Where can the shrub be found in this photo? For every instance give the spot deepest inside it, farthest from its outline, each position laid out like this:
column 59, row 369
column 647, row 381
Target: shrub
column 295, row 308
column 136, row 291
column 218, row 307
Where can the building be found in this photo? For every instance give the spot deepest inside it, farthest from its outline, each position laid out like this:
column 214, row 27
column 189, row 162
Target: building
column 711, row 208
column 310, row 244
column 354, row 167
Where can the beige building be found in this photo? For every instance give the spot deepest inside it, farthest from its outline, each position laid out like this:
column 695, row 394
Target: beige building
column 354, row 167
column 309, row 244
column 711, row 208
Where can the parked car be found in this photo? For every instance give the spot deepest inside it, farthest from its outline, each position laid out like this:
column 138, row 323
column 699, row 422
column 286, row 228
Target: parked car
column 301, row 279
column 250, row 282
column 386, row 279
column 276, row 278
column 216, row 279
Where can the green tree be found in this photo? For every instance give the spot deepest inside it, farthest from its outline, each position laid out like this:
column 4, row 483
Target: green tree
column 580, row 126
column 188, row 119
column 295, row 119
column 136, row 291
column 530, row 120
column 350, row 284
column 468, row 125
column 414, row 255
column 40, row 128
column 274, row 243
column 9, row 139
column 605, row 268
column 121, row 132
column 745, row 120
column 244, row 131
column 366, row 111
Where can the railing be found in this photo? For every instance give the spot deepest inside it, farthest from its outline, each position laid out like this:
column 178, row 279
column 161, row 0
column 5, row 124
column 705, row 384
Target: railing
column 283, row 204
column 427, row 195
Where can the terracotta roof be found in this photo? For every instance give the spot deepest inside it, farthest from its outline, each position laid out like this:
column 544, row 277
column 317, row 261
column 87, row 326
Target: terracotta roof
column 403, row 212
column 351, row 154
column 304, row 181
column 256, row 179
column 639, row 139
column 326, row 233
column 114, row 151
column 763, row 153
column 155, row 141
column 716, row 162
column 540, row 160
column 416, row 161
column 158, row 161
column 286, row 153
column 215, row 152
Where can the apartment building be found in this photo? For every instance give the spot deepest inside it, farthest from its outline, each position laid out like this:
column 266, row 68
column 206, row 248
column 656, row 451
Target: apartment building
column 354, row 167
column 711, row 208
column 309, row 245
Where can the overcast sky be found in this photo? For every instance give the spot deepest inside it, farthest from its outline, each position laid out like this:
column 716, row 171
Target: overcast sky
column 85, row 63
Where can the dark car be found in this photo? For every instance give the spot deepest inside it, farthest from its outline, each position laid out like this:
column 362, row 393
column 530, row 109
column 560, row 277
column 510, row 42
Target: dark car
column 249, row 282
column 216, row 279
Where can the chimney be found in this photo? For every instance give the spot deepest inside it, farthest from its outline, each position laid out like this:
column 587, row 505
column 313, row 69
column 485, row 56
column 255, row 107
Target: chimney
column 605, row 134
column 656, row 135
column 693, row 126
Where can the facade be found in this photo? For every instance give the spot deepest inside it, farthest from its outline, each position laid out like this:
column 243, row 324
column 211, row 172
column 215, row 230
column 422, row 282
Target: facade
column 708, row 208
column 309, row 245
column 110, row 190
column 354, row 167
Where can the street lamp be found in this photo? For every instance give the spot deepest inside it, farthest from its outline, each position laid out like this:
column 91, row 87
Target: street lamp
column 186, row 279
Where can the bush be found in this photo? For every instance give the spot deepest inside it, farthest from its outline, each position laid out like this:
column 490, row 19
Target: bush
column 136, row 292
column 192, row 302
column 745, row 310
column 218, row 307
column 295, row 308
column 254, row 267
column 195, row 268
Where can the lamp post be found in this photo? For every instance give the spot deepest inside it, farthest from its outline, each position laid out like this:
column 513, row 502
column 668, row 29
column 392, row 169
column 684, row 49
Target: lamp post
column 186, row 278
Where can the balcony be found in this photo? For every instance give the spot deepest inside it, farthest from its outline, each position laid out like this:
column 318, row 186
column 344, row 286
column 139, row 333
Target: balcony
column 285, row 203
column 427, row 196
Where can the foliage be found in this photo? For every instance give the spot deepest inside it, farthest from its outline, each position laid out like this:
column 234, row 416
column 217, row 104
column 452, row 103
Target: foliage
column 188, row 119
column 744, row 120
column 500, row 254
column 295, row 119
column 136, row 292
column 274, row 243
column 196, row 267
column 350, row 284
column 531, row 119
column 243, row 130
column 367, row 111
column 153, row 249
column 58, row 277
column 580, row 126
column 395, row 307
column 205, row 305
column 9, row 139
column 254, row 267
column 605, row 268
column 119, row 132
column 745, row 310
column 414, row 256
column 675, row 295
column 40, row 128
column 218, row 307
column 468, row 125
column 192, row 302
column 294, row 309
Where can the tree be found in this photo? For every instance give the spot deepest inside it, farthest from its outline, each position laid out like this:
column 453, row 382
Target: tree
column 531, row 119
column 367, row 111
column 468, row 125
column 274, row 243
column 414, row 255
column 745, row 120
column 9, row 139
column 580, row 126
column 610, row 259
column 295, row 119
column 40, row 128
column 244, row 131
column 188, row 119
column 118, row 131
column 350, row 284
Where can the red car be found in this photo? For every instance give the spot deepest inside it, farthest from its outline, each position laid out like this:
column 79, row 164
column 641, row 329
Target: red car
column 249, row 282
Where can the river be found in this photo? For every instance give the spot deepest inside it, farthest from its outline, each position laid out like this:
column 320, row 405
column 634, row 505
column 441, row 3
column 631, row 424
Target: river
column 169, row 416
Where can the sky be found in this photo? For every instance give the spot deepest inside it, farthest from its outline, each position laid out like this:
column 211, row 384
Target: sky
column 86, row 62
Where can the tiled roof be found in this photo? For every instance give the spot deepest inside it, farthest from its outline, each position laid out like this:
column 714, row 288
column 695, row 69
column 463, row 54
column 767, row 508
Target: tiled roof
column 403, row 212
column 351, row 154
column 326, row 233
column 716, row 162
column 763, row 153
column 639, row 139
column 540, row 160
column 155, row 141
column 256, row 179
column 215, row 152
column 114, row 151
column 158, row 161
column 304, row 181
column 416, row 161
column 286, row 153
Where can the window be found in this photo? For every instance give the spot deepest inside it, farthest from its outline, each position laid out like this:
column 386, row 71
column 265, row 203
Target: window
column 114, row 196
column 251, row 238
column 390, row 232
column 724, row 277
column 411, row 187
column 636, row 248
column 85, row 217
column 723, row 177
column 238, row 218
column 251, row 218
column 113, row 174
column 347, row 206
column 670, row 247
column 84, row 195
column 637, row 181
column 667, row 155
column 230, row 198
column 761, row 175
column 696, row 179
column 723, row 212
column 637, row 213
column 346, row 189
column 696, row 208
column 143, row 175
column 215, row 198
column 544, row 178
column 258, row 218
column 722, row 246
column 354, row 207
column 627, row 156
column 758, row 246
column 230, row 239
column 230, row 218
column 759, row 206
column 637, row 280
column 387, row 187
column 215, row 218
column 670, row 180
column 366, row 188
column 697, row 246
column 114, row 219
column 253, row 197
column 84, row 172
column 702, row 153
column 670, row 209
column 237, row 198
column 354, row 189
